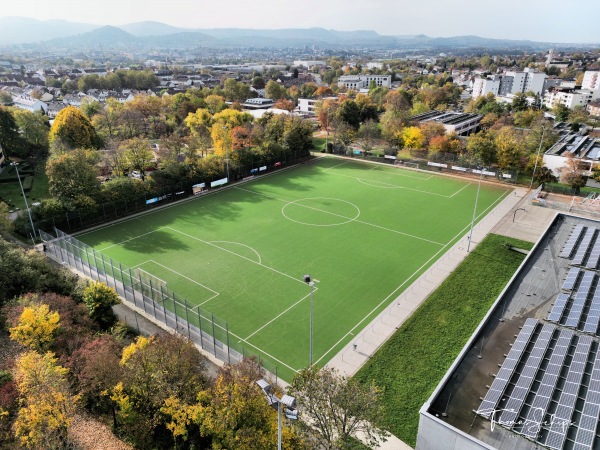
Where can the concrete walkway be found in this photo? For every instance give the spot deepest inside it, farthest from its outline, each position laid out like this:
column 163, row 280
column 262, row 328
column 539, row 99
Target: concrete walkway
column 375, row 334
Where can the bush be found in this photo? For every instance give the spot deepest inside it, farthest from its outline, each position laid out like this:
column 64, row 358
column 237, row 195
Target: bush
column 27, row 184
column 99, row 299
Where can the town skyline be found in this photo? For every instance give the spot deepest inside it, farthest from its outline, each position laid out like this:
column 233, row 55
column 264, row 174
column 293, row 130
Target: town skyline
column 540, row 21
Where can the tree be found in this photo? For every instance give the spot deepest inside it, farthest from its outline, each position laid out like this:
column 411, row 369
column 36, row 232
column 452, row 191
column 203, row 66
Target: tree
column 107, row 119
column 10, row 139
column 72, row 176
column 284, row 104
column 561, row 112
column 413, row 137
column 47, row 406
column 234, row 413
column 367, row 135
column 154, row 370
column 73, row 129
column 138, row 154
column 99, row 299
column 36, row 327
column 297, row 135
column 6, row 225
column 509, row 149
column 274, row 90
column 482, row 147
column 572, row 173
column 33, row 128
column 519, row 102
column 336, row 407
column 258, row 82
column 349, row 112
column 223, row 123
column 215, row 104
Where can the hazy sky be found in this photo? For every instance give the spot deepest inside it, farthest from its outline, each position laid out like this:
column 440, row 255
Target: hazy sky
column 549, row 20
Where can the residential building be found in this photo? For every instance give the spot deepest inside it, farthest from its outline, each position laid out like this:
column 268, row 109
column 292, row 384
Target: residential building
column 591, row 80
column 357, row 82
column 30, row 104
column 307, row 105
column 594, row 108
column 511, row 82
column 309, row 64
column 568, row 97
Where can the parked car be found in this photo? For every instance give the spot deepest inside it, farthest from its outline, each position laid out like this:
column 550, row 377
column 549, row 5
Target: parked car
column 136, row 174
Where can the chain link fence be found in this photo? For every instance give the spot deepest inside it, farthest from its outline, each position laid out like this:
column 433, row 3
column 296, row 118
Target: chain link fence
column 166, row 307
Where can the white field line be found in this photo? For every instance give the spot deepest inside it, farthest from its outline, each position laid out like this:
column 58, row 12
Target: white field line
column 279, row 315
column 343, row 217
column 243, row 245
column 383, row 169
column 238, row 255
column 405, row 281
column 189, row 279
column 140, row 264
column 337, row 165
column 130, row 239
column 464, row 187
column 362, row 180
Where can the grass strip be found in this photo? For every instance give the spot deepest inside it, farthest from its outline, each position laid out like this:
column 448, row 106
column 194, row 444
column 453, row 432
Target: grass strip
column 409, row 366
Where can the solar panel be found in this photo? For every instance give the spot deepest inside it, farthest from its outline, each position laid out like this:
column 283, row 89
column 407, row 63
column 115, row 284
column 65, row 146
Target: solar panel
column 494, row 394
column 561, row 419
column 535, row 418
column 517, row 397
column 584, row 245
column 559, row 307
column 580, row 298
column 593, row 316
column 592, row 262
column 570, row 244
column 590, row 411
column 571, row 279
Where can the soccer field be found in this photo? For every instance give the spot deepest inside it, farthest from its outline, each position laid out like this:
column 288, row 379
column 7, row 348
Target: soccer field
column 364, row 231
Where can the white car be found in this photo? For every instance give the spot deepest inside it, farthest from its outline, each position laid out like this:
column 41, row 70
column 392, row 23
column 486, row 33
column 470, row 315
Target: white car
column 136, row 174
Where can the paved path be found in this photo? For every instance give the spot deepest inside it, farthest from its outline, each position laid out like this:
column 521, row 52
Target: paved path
column 375, row 334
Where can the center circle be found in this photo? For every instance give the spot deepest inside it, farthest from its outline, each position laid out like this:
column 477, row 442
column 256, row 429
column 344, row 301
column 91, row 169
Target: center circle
column 320, row 211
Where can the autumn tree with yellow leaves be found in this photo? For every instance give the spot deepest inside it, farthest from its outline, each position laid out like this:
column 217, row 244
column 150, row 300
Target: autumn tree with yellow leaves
column 36, row 327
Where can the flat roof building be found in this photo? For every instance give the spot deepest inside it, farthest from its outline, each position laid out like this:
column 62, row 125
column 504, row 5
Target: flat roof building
column 529, row 377
column 460, row 123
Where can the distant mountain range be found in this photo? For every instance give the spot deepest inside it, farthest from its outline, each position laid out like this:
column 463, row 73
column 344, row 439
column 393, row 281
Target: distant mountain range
column 65, row 34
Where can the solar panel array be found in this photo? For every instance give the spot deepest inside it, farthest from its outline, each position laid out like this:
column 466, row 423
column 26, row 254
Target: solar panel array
column 535, row 418
column 550, row 396
column 571, row 242
column 559, row 307
column 571, row 279
column 561, row 418
column 580, row 300
column 583, row 247
column 494, row 394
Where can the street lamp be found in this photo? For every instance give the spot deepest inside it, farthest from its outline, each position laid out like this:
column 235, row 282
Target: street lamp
column 475, row 208
column 287, row 403
column 311, row 283
column 226, row 157
column 537, row 156
column 15, row 164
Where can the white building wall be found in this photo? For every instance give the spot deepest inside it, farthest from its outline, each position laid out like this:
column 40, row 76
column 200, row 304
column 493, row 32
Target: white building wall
column 519, row 79
column 483, row 86
column 535, row 82
column 591, row 80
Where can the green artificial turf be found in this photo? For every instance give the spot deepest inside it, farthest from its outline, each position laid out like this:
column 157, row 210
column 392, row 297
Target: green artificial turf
column 365, row 231
column 411, row 364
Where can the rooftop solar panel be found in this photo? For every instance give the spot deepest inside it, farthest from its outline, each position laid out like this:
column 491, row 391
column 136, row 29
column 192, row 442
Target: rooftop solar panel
column 571, row 279
column 592, row 262
column 580, row 299
column 593, row 317
column 584, row 245
column 535, row 417
column 523, row 385
column 559, row 307
column 571, row 241
column 561, row 419
column 590, row 411
column 494, row 394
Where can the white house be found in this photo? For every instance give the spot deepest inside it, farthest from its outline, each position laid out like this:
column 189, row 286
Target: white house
column 569, row 97
column 357, row 82
column 30, row 104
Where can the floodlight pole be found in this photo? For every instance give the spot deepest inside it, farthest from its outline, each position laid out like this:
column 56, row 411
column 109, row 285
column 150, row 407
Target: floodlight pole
column 537, row 156
column 279, row 425
column 15, row 164
column 226, row 156
column 311, row 283
column 474, row 210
